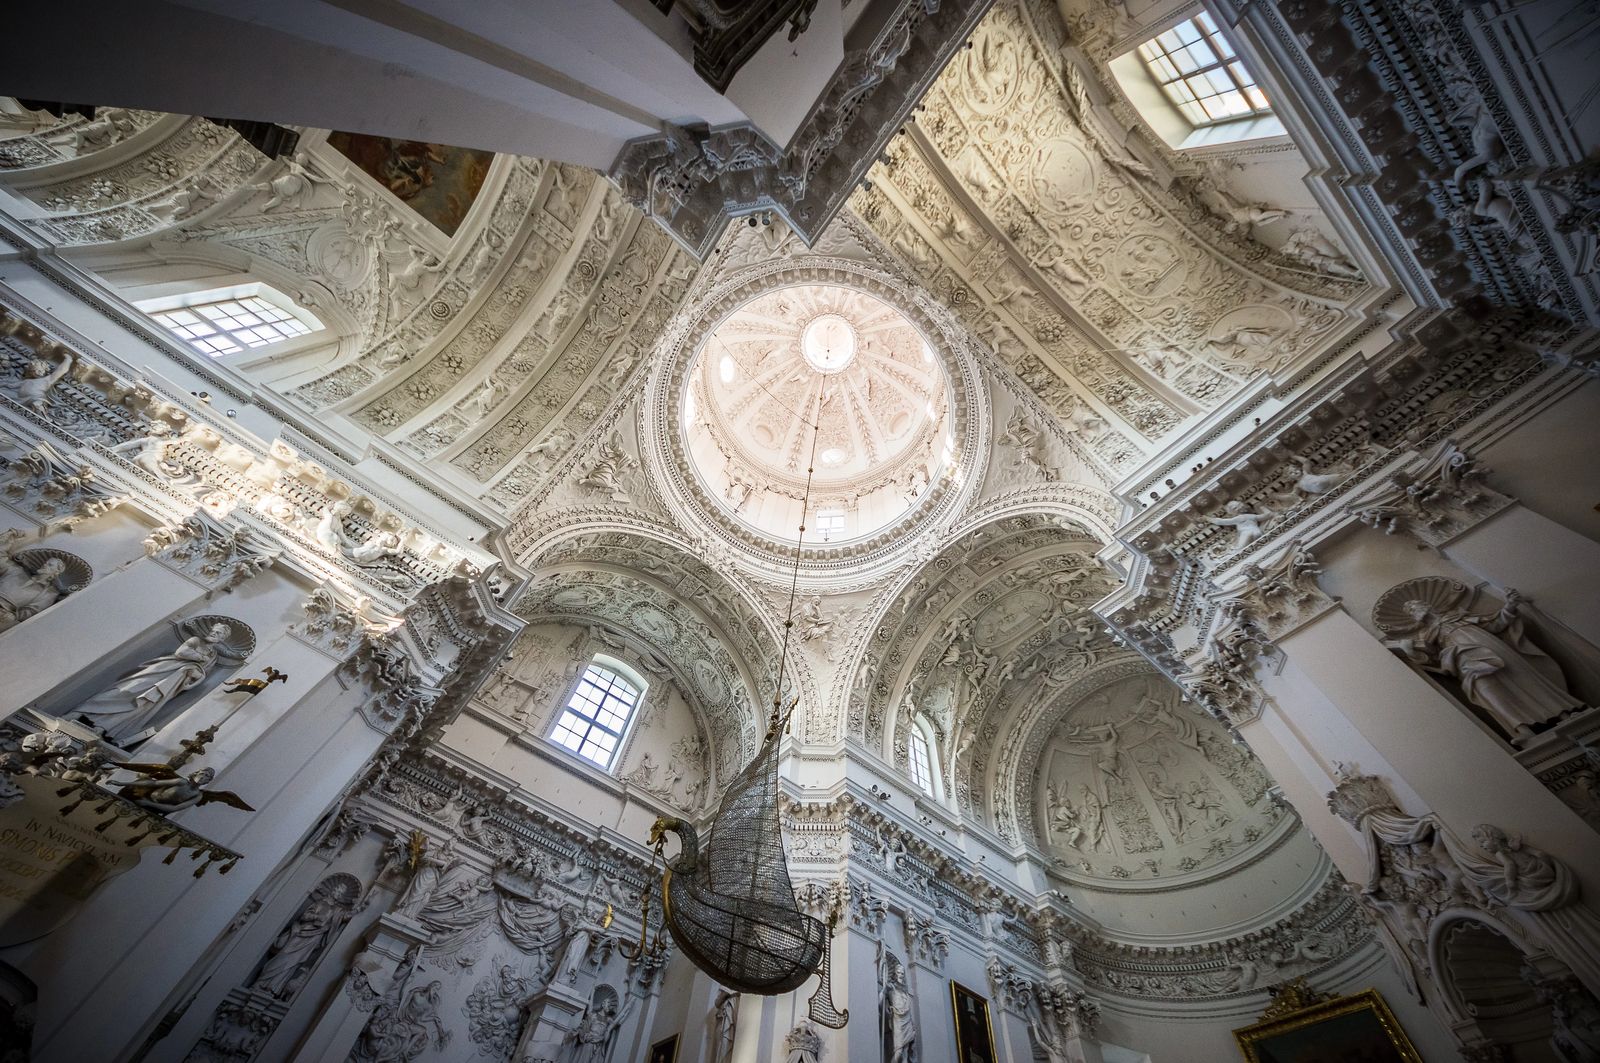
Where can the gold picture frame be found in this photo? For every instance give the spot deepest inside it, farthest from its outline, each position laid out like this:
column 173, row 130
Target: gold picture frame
column 1302, row 1027
column 664, row 1050
column 974, row 1034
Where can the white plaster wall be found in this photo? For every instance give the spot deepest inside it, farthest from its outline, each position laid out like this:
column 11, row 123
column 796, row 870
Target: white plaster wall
column 1243, row 899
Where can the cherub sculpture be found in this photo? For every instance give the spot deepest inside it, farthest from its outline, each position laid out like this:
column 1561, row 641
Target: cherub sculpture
column 1248, row 525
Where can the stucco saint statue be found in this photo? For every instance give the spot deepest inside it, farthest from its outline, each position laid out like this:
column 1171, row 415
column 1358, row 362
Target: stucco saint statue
column 289, row 960
column 727, row 1017
column 1499, row 669
column 24, row 593
column 581, row 929
column 125, row 711
column 596, row 1032
column 894, row 1011
column 432, row 866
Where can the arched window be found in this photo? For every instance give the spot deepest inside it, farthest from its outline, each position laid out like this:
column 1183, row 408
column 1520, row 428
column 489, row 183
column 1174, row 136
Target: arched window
column 920, row 747
column 229, row 320
column 599, row 712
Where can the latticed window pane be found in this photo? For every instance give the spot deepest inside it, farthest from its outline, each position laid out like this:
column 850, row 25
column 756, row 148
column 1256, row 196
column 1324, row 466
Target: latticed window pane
column 226, row 326
column 921, row 761
column 830, row 523
column 597, row 715
column 1201, row 74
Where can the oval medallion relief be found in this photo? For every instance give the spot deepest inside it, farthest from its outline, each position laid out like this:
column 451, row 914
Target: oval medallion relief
column 1060, row 174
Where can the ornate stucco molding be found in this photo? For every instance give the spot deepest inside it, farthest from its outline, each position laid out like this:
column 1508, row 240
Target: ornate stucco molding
column 1226, row 531
column 695, row 180
column 1433, row 499
column 667, row 464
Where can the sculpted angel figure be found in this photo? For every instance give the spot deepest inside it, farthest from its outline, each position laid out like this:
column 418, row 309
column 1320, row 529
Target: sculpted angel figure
column 38, row 377
column 610, row 463
column 1241, row 214
column 149, row 451
column 1026, row 440
column 1320, row 253
column 1208, row 803
column 1065, row 821
column 123, row 712
column 379, row 545
column 738, row 493
column 432, row 866
column 1517, row 875
column 1317, row 483
column 291, row 186
column 110, row 125
column 24, row 593
column 813, row 624
column 1249, row 344
column 1249, row 525
column 916, row 483
column 1094, row 820
column 406, row 282
column 165, row 791
column 1499, row 669
column 555, row 443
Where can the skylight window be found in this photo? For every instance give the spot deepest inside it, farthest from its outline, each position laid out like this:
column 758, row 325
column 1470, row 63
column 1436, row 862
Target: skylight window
column 227, row 326
column 1201, row 74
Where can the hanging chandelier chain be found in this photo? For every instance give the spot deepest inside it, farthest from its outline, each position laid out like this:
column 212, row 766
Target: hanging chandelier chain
column 778, row 716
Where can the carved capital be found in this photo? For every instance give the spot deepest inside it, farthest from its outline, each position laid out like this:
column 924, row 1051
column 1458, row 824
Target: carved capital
column 867, row 909
column 694, row 180
column 926, row 945
column 54, row 491
column 1281, row 595
column 1010, row 988
column 210, row 552
column 1434, row 502
column 330, row 625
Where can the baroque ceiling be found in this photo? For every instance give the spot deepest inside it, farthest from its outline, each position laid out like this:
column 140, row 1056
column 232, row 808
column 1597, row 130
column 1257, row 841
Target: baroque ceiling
column 1028, row 297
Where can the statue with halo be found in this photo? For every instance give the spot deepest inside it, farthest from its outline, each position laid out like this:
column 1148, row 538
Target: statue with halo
column 1490, row 655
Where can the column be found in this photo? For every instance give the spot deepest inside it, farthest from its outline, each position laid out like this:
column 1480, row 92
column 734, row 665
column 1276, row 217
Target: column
column 85, row 628
column 374, row 971
column 136, row 938
column 1432, row 751
column 1555, row 567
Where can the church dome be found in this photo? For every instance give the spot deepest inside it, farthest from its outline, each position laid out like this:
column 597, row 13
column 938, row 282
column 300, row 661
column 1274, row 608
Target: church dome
column 837, row 358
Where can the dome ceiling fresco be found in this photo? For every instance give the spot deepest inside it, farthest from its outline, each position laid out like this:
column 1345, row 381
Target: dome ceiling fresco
column 829, row 356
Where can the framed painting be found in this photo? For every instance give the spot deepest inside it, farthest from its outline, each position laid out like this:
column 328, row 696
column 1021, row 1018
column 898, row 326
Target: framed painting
column 664, row 1050
column 974, row 1037
column 1299, row 1028
column 437, row 181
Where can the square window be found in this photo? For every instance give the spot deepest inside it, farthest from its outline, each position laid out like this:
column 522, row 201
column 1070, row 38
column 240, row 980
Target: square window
column 1199, row 71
